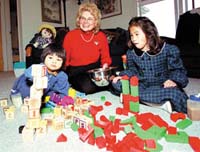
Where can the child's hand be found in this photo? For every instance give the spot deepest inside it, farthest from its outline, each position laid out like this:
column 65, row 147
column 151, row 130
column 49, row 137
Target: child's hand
column 169, row 84
column 115, row 79
column 36, row 44
column 105, row 66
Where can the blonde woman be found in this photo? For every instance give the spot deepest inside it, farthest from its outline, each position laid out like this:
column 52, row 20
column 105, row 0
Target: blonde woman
column 86, row 48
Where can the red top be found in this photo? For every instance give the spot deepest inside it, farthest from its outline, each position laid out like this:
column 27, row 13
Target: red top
column 86, row 48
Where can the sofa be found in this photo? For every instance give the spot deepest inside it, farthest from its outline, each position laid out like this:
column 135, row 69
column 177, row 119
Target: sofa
column 188, row 41
column 118, row 39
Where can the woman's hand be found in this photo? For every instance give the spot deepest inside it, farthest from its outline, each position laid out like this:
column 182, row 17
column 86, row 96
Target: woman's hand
column 169, row 84
column 115, row 79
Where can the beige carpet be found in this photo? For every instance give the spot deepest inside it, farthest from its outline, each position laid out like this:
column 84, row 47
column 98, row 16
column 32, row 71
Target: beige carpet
column 11, row 140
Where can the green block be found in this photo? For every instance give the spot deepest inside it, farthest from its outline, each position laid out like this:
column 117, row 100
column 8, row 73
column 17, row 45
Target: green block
column 157, row 132
column 152, row 133
column 128, row 129
column 125, row 86
column 46, row 110
column 183, row 124
column 98, row 132
column 74, row 127
column 180, row 137
column 131, row 120
column 134, row 91
column 134, row 106
column 103, row 98
column 141, row 133
column 112, row 118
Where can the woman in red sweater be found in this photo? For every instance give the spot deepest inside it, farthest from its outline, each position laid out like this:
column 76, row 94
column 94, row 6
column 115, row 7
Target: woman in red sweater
column 86, row 48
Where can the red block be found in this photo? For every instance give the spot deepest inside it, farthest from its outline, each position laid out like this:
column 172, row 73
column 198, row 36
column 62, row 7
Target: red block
column 107, row 103
column 95, row 109
column 176, row 116
column 194, row 143
column 134, row 81
column 91, row 139
column 125, row 77
column 118, row 111
column 172, row 130
column 86, row 134
column 101, row 142
column 61, row 138
column 150, row 143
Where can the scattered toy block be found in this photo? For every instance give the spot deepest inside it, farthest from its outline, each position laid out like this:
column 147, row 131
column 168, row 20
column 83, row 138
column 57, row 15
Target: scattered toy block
column 58, row 123
column 194, row 143
column 172, row 130
column 85, row 135
column 176, row 116
column 28, row 134
column 180, row 137
column 4, row 102
column 9, row 114
column 24, row 109
column 100, row 142
column 33, row 123
column 61, row 138
column 183, row 124
column 16, row 99
column 150, row 143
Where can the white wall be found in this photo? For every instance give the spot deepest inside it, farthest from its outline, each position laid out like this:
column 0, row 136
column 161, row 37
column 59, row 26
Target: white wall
column 30, row 16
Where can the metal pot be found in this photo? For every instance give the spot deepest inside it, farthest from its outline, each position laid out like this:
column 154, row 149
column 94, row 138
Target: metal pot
column 101, row 76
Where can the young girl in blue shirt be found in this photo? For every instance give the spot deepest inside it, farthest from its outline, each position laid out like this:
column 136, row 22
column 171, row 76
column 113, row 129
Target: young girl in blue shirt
column 53, row 57
column 157, row 65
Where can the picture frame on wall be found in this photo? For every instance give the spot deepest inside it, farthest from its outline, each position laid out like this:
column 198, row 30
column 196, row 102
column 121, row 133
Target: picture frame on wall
column 51, row 11
column 109, row 8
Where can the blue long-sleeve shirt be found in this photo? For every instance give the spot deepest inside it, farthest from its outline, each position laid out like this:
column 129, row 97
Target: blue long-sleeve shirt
column 56, row 84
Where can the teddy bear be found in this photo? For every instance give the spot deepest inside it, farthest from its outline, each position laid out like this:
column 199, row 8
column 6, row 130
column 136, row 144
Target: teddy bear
column 45, row 36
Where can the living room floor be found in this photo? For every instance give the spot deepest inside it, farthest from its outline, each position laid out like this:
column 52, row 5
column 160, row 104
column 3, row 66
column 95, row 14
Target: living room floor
column 11, row 140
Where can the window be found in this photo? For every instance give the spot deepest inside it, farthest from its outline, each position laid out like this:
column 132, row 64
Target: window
column 165, row 13
column 165, row 21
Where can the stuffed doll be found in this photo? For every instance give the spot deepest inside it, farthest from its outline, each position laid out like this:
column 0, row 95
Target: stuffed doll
column 45, row 36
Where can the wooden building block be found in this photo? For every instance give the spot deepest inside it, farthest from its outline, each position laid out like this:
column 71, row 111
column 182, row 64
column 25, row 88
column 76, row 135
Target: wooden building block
column 24, row 108
column 58, row 123
column 36, row 93
column 4, row 102
column 34, row 113
column 17, row 100
column 40, row 82
column 34, row 103
column 38, row 70
column 57, row 111
column 9, row 114
column 28, row 134
column 33, row 123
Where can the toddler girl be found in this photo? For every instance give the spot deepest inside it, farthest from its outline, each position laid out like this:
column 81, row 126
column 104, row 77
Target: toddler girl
column 53, row 57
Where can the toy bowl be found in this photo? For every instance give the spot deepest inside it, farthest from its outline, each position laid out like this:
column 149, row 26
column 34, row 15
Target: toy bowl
column 101, row 76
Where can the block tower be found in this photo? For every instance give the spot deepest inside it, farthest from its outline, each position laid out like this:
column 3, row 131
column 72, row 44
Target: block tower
column 34, row 122
column 130, row 93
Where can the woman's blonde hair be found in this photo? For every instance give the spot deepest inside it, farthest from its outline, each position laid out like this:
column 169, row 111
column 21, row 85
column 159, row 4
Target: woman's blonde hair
column 93, row 9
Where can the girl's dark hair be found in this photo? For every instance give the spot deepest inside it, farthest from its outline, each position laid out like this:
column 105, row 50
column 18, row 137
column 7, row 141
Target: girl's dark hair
column 148, row 27
column 53, row 48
